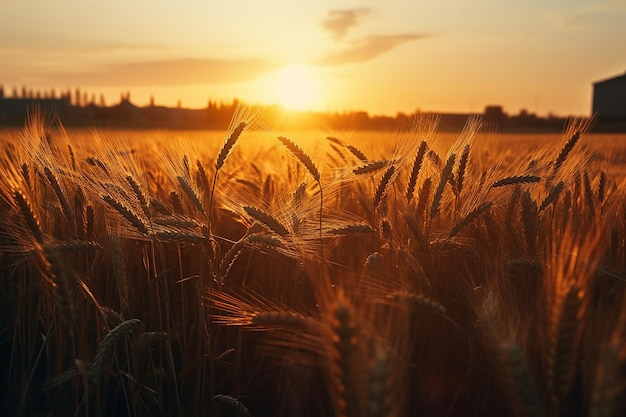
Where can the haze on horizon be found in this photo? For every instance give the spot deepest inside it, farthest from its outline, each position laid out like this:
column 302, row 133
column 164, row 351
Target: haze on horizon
column 381, row 57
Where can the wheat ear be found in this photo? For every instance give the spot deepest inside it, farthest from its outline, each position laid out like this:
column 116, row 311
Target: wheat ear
column 470, row 218
column 344, row 341
column 565, row 150
column 234, row 407
column 127, row 213
column 229, row 144
column 418, row 301
column 602, row 187
column 516, row 179
column 138, row 194
column 589, row 195
column 70, row 150
column 381, row 189
column 606, row 383
column 445, row 175
column 415, row 170
column 279, row 319
column 460, row 176
column 379, row 388
column 58, row 191
column 353, row 229
column 202, row 179
column 519, row 380
column 177, row 203
column 89, row 222
column 564, row 343
column 26, row 174
column 552, row 196
column 357, row 152
column 267, row 219
column 108, row 344
column 370, row 167
column 30, row 218
column 64, row 299
column 97, row 163
column 302, row 156
column 190, row 192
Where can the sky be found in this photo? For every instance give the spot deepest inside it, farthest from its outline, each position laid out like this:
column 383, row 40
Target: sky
column 378, row 56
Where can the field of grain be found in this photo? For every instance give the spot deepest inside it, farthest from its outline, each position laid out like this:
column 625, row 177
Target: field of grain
column 261, row 273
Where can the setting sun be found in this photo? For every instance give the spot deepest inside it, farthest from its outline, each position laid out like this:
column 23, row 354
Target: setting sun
column 295, row 87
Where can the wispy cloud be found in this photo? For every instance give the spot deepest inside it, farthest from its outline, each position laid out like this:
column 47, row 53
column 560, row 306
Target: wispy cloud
column 338, row 22
column 584, row 15
column 174, row 72
column 367, row 49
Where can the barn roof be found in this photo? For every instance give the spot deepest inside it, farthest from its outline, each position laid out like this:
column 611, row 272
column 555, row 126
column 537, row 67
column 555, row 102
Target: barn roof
column 617, row 80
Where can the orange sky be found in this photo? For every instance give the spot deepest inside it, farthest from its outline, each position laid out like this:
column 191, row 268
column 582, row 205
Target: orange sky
column 382, row 57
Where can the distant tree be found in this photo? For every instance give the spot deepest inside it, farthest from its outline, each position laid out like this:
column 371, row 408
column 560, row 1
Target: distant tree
column 151, row 101
column 494, row 114
column 102, row 101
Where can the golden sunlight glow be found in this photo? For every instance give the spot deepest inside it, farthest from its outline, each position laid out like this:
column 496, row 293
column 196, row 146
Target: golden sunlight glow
column 296, row 87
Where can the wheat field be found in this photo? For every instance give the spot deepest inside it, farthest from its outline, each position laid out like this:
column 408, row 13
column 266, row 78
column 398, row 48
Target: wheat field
column 271, row 274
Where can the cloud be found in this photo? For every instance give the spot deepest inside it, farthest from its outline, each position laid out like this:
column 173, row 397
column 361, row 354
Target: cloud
column 338, row 22
column 174, row 72
column 590, row 13
column 367, row 49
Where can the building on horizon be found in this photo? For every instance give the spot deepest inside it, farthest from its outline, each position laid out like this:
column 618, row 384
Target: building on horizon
column 609, row 100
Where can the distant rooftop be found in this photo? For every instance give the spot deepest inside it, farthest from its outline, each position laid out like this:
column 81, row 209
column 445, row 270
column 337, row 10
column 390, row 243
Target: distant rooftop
column 618, row 79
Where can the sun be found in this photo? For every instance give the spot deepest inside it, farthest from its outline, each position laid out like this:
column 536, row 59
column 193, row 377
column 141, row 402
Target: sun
column 296, row 87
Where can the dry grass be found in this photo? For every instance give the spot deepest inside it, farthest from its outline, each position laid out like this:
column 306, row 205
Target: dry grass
column 437, row 275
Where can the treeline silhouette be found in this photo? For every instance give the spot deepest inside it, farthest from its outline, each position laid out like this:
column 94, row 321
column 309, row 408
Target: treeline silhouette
column 79, row 108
